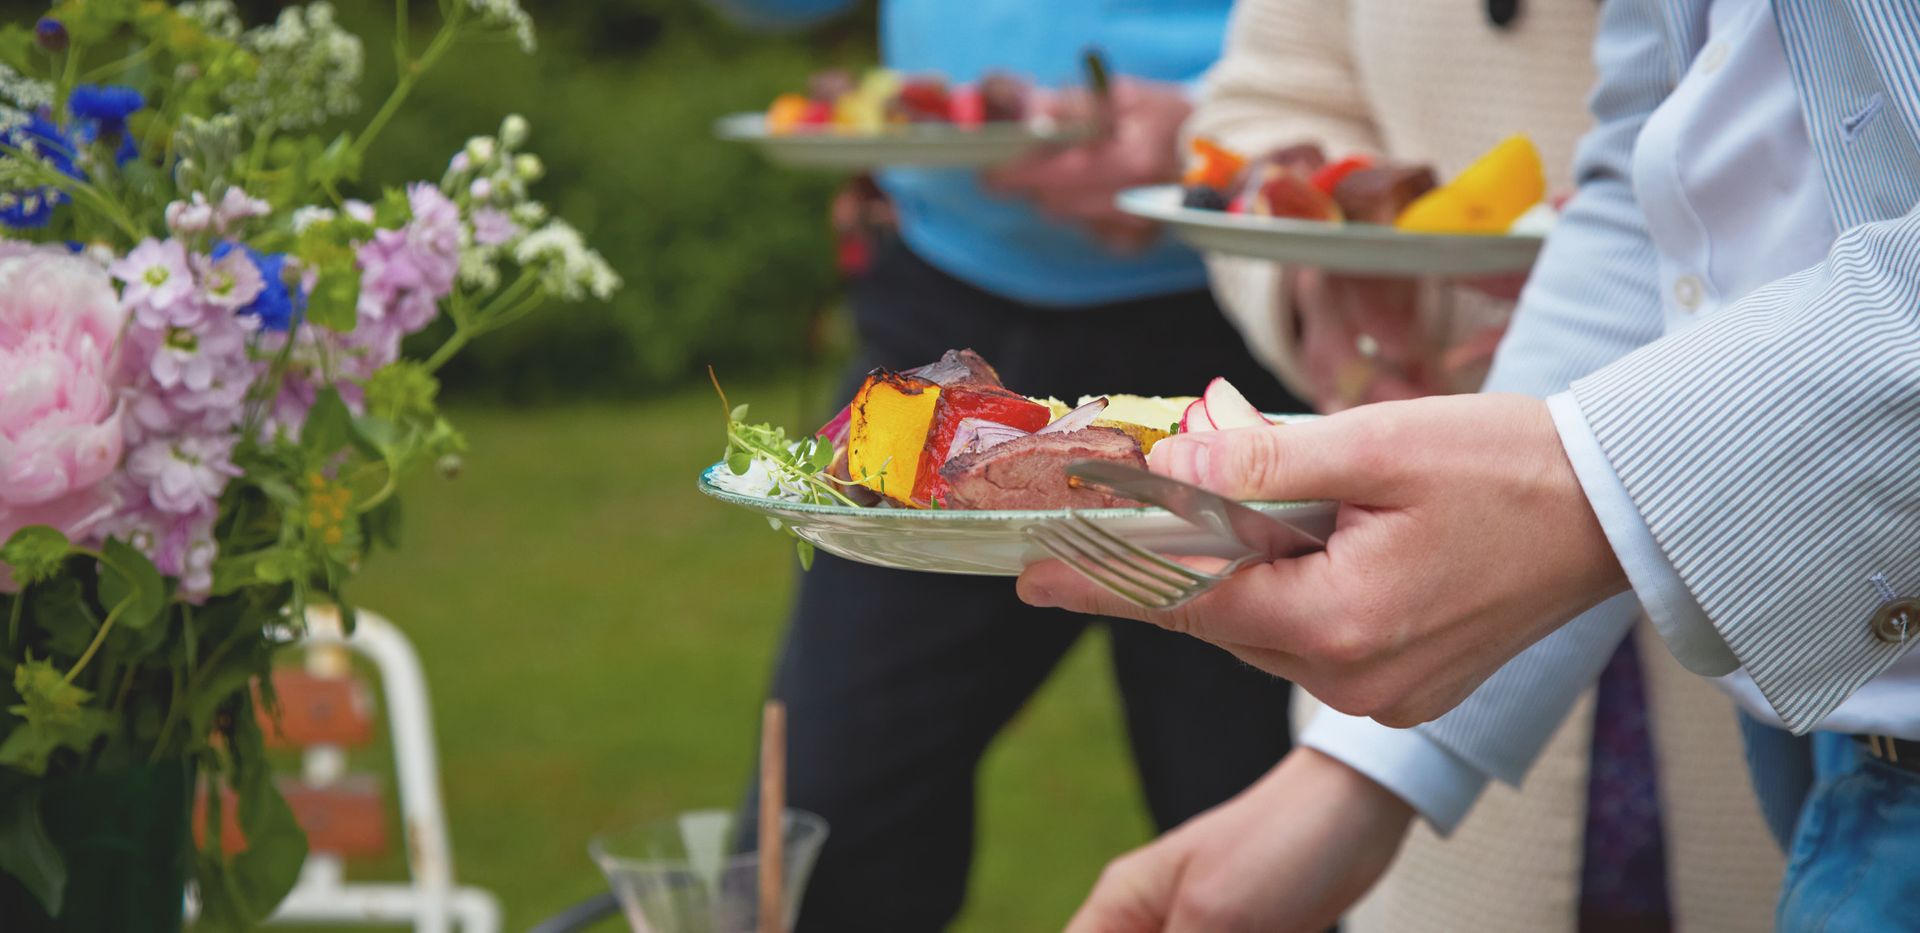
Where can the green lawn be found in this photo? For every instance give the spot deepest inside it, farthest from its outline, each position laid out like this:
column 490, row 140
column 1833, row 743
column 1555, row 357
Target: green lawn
column 596, row 637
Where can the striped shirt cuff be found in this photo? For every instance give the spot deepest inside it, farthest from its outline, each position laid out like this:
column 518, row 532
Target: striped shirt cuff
column 1415, row 768
column 1662, row 594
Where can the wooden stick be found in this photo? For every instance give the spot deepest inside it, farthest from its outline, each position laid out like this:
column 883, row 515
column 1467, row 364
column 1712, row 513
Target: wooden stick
column 773, row 808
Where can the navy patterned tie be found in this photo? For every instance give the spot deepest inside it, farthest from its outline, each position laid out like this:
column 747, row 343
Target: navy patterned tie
column 1623, row 875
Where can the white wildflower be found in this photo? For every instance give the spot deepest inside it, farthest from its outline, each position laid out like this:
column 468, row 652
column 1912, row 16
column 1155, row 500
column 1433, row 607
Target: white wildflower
column 308, row 69
column 514, row 131
column 27, row 94
column 304, row 218
column 508, row 15
column 478, row 270
column 217, row 18
column 569, row 269
column 480, row 151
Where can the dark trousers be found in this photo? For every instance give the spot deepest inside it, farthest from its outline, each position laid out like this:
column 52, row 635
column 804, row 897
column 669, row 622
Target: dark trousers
column 895, row 682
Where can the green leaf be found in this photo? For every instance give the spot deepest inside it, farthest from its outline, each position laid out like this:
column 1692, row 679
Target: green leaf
column 804, row 549
column 59, row 609
column 740, row 463
column 35, row 553
column 56, row 717
column 334, row 302
column 271, row 565
column 130, row 585
column 329, row 424
column 27, row 853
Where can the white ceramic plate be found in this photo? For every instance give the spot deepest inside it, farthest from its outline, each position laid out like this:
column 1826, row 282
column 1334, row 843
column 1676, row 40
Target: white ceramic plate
column 928, row 145
column 1361, row 248
column 988, row 542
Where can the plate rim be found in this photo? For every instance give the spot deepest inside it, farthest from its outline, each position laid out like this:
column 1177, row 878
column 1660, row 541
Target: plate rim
column 749, row 126
column 1145, row 201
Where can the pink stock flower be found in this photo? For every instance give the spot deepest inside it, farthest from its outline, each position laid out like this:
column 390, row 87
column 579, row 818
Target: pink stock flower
column 156, row 274
column 60, row 430
column 492, row 226
column 184, row 475
column 232, row 282
column 186, row 218
column 237, row 207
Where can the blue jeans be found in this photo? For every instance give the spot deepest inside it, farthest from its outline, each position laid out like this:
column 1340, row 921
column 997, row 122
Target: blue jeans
column 1855, row 859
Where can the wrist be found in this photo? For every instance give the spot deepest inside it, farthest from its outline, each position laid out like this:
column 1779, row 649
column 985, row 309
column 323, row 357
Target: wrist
column 1326, row 778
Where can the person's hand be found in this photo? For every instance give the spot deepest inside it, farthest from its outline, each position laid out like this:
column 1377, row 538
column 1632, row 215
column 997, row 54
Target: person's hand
column 1292, row 852
column 1363, row 339
column 1463, row 537
column 1139, row 145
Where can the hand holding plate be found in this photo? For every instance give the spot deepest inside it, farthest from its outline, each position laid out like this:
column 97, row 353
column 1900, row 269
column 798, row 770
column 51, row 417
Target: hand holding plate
column 1463, row 538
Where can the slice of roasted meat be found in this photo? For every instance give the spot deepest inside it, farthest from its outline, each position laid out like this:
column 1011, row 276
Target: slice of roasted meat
column 1030, row 472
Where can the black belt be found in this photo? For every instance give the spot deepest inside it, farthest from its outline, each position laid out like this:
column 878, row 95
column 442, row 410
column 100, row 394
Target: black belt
column 1900, row 753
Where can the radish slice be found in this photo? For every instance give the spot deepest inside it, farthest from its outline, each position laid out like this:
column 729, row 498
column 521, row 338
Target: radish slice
column 1228, row 409
column 1077, row 418
column 977, row 434
column 1194, row 420
column 835, row 431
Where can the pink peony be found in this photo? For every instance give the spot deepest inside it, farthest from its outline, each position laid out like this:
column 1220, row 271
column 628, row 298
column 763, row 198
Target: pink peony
column 60, row 431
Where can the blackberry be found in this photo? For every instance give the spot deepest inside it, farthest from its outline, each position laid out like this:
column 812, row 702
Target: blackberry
column 1202, row 197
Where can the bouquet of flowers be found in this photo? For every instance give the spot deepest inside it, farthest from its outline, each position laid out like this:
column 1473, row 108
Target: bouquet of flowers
column 205, row 410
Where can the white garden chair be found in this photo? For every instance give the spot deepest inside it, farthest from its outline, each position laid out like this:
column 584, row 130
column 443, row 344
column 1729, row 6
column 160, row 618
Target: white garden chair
column 325, row 711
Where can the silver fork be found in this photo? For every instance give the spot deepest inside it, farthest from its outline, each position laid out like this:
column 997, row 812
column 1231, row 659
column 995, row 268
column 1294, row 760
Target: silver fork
column 1125, row 569
column 1150, row 580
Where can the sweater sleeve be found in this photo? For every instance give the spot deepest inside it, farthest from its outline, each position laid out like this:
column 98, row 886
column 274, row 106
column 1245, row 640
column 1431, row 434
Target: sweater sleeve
column 1286, row 76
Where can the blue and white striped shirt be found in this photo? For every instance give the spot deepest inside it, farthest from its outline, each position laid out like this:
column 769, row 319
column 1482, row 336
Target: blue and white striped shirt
column 1738, row 274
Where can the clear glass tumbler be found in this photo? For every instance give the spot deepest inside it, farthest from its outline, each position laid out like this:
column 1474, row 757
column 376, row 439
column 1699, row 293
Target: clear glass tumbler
column 696, row 872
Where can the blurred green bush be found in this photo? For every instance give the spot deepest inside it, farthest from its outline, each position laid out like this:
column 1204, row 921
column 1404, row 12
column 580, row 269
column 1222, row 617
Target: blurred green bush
column 727, row 259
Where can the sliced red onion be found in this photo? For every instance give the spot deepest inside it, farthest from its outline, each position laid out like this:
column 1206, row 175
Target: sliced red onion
column 1077, row 418
column 977, row 434
column 835, row 431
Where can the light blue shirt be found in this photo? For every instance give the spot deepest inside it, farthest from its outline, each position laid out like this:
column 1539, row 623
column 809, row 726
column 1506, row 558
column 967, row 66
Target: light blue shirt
column 1000, row 244
column 1733, row 198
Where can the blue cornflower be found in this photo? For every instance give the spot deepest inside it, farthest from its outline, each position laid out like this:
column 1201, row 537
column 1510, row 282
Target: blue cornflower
column 51, row 34
column 101, row 112
column 33, row 207
column 279, row 305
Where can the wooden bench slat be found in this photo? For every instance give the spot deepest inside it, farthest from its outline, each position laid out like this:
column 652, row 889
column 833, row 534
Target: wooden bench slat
column 317, row 710
column 347, row 819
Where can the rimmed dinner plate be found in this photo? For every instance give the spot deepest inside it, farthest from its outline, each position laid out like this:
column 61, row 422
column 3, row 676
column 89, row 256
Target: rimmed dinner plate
column 928, row 145
column 987, row 542
column 1359, row 248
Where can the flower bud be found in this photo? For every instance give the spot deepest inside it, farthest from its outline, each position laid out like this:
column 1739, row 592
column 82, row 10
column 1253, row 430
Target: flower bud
column 513, row 131
column 50, row 34
column 481, row 150
column 528, row 167
column 481, row 189
column 450, row 465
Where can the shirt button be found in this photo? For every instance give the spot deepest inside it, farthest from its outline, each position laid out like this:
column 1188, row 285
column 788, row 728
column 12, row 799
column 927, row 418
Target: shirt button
column 1897, row 620
column 1713, row 58
column 1688, row 291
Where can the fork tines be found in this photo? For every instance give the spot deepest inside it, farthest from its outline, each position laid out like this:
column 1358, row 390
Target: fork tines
column 1123, row 568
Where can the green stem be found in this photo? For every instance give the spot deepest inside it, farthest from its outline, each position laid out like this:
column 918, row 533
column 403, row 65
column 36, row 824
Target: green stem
column 99, row 638
column 400, row 30
column 13, row 617
column 440, row 357
column 69, row 76
column 79, row 190
column 110, row 69
column 410, row 73
column 175, row 704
